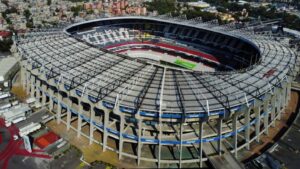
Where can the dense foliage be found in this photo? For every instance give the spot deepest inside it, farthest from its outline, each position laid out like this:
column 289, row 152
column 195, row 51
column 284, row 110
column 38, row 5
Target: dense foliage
column 263, row 12
column 76, row 10
column 5, row 45
column 161, row 6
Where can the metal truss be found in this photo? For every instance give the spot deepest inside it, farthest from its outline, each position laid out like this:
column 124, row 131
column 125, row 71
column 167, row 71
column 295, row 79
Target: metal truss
column 73, row 64
column 55, row 54
column 179, row 96
column 80, row 79
column 110, row 87
column 131, row 84
column 215, row 92
column 237, row 83
column 141, row 96
column 197, row 92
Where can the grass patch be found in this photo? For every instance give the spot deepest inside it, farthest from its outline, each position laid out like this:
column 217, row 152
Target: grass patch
column 185, row 64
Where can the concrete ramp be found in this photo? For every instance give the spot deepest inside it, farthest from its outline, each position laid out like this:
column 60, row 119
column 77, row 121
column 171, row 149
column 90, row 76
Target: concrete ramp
column 225, row 161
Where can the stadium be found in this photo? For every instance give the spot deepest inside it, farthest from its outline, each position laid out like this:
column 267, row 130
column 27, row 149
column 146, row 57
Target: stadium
column 161, row 90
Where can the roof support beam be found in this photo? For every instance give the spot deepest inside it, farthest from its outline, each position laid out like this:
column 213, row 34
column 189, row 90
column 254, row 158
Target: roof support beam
column 79, row 79
column 160, row 114
column 236, row 83
column 107, row 89
column 140, row 98
column 216, row 93
column 180, row 97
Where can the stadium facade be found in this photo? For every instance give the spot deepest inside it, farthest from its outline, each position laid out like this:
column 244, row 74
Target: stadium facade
column 157, row 112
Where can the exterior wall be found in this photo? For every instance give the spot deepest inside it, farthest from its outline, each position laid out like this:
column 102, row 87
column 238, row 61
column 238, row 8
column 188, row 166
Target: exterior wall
column 7, row 78
column 272, row 105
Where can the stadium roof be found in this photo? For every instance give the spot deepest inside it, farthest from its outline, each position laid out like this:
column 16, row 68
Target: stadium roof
column 110, row 78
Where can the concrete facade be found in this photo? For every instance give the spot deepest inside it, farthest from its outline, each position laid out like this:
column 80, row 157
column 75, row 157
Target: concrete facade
column 264, row 113
column 181, row 128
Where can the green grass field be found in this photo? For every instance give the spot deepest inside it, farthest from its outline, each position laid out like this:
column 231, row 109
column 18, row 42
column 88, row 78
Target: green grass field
column 185, row 64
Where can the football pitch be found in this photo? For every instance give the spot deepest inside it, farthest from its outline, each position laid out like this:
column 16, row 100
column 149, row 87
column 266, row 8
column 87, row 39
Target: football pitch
column 185, row 64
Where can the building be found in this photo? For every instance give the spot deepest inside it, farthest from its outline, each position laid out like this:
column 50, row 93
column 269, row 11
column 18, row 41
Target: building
column 5, row 35
column 19, row 111
column 164, row 114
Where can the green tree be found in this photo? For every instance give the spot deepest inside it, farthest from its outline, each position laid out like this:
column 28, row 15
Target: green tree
column 5, row 45
column 29, row 25
column 48, row 2
column 90, row 11
column 161, row 6
column 27, row 14
column 8, row 21
column 76, row 10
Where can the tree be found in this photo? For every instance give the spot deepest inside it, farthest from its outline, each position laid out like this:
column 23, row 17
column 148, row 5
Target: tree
column 5, row 45
column 8, row 21
column 76, row 10
column 29, row 25
column 48, row 2
column 5, row 2
column 90, row 11
column 161, row 6
column 27, row 14
column 11, row 10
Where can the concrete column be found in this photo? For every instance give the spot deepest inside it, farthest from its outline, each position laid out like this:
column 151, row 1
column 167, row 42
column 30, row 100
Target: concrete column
column 278, row 105
column 220, row 123
column 69, row 114
column 23, row 76
column 59, row 108
column 122, row 119
column 235, row 134
column 37, row 90
column 28, row 82
column 44, row 97
column 247, row 129
column 139, row 141
column 200, row 143
column 180, row 152
column 266, row 118
column 257, row 123
column 79, row 121
column 284, row 96
column 289, row 87
column 273, row 114
column 159, row 141
column 51, row 102
column 105, row 126
column 92, row 127
column 32, row 86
